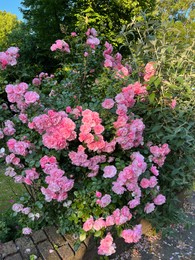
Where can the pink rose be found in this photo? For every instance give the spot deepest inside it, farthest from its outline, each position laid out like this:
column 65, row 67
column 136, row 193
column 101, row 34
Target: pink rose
column 107, row 247
column 109, row 171
column 154, row 170
column 17, row 207
column 26, row 231
column 31, row 97
column 149, row 208
column 88, row 225
column 104, row 201
column 144, row 183
column 99, row 224
column 108, row 103
column 73, row 34
column 160, row 199
column 98, row 194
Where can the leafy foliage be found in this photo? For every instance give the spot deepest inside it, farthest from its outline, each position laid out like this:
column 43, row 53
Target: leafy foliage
column 8, row 22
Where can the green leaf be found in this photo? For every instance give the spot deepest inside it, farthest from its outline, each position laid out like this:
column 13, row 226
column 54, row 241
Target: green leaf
column 98, row 233
column 151, row 97
column 82, row 236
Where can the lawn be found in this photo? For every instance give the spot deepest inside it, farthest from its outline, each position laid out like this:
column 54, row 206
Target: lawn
column 10, row 192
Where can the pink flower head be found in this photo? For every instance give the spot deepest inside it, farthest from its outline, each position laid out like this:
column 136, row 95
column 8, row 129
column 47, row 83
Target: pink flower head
column 98, row 194
column 149, row 71
column 107, row 247
column 31, row 97
column 132, row 235
column 108, row 103
column 110, row 221
column 73, row 34
column 134, row 203
column 26, row 231
column 144, row 183
column 154, row 170
column 88, row 225
column 99, row 224
column 104, row 201
column 68, row 109
column 149, row 208
column 173, row 103
column 26, row 210
column 23, row 117
column 36, row 82
column 160, row 199
column 109, row 171
column 153, row 182
column 17, row 207
column 61, row 45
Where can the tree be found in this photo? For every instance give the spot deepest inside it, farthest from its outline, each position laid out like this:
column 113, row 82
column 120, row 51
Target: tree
column 50, row 20
column 8, row 22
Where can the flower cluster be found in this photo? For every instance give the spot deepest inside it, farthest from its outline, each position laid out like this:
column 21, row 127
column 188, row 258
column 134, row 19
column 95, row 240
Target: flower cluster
column 118, row 217
column 38, row 79
column 92, row 40
column 80, row 158
column 18, row 207
column 128, row 178
column 132, row 235
column 91, row 130
column 149, row 71
column 18, row 147
column 18, row 94
column 159, row 154
column 30, row 176
column 107, row 247
column 9, row 128
column 60, row 45
column 115, row 62
column 58, row 129
column 9, row 57
column 58, row 183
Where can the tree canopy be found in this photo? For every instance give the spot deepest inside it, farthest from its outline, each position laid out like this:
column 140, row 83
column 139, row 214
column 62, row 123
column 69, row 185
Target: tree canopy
column 8, row 22
column 48, row 19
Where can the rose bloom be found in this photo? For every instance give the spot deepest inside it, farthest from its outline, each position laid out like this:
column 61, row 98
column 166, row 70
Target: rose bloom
column 31, row 97
column 154, row 170
column 145, row 183
column 108, row 103
column 109, row 171
column 88, row 225
column 73, row 34
column 26, row 231
column 132, row 235
column 36, row 82
column 17, row 207
column 99, row 224
column 107, row 247
column 149, row 208
column 98, row 194
column 160, row 199
column 104, row 201
column 26, row 210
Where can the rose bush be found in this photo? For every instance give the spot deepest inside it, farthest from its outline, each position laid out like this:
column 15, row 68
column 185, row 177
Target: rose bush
column 78, row 146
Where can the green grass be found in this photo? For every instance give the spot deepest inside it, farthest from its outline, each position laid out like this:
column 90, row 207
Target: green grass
column 10, row 191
